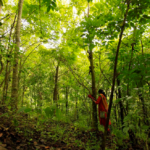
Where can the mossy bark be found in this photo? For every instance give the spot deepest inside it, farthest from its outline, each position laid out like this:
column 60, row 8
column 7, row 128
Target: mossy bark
column 14, row 91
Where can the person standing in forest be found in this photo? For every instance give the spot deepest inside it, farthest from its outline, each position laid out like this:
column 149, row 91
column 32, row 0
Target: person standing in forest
column 102, row 107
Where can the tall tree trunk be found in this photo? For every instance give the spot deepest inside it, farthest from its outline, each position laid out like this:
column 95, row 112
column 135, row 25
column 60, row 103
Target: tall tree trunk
column 7, row 72
column 76, row 117
column 1, row 4
column 94, row 111
column 120, row 103
column 76, row 106
column 40, row 96
column 5, row 88
column 94, row 107
column 55, row 94
column 114, row 76
column 145, row 116
column 23, row 91
column 14, row 92
column 2, row 65
column 115, row 112
column 19, row 77
column 67, row 90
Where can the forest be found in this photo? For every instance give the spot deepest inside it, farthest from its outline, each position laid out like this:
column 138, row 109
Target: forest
column 54, row 54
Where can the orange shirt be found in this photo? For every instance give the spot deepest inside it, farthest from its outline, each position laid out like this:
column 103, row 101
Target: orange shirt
column 101, row 101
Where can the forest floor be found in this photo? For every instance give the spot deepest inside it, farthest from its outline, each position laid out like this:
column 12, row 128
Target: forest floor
column 23, row 133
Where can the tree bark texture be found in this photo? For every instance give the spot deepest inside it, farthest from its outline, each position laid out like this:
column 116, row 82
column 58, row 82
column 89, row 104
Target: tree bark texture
column 55, row 94
column 67, row 90
column 120, row 103
column 2, row 65
column 23, row 91
column 14, row 92
column 1, row 4
column 8, row 67
column 94, row 108
column 145, row 117
column 6, row 82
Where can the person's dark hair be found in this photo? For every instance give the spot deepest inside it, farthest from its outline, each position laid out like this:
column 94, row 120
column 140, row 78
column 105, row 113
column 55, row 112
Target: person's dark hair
column 100, row 91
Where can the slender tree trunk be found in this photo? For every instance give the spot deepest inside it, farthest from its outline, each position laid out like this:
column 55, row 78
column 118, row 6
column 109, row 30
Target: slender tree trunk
column 94, row 111
column 94, row 107
column 14, row 92
column 1, row 4
column 23, row 91
column 76, row 108
column 144, row 108
column 40, row 96
column 114, row 76
column 2, row 65
column 115, row 112
column 0, row 8
column 7, row 72
column 142, row 47
column 5, row 88
column 55, row 94
column 120, row 103
column 67, row 90
column 19, row 77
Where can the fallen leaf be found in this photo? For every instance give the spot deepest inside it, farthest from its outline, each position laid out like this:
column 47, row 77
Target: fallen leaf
column 2, row 148
column 42, row 146
column 18, row 147
column 35, row 143
column 3, row 145
column 6, row 129
column 37, row 147
column 17, row 141
column 1, row 134
column 23, row 145
column 47, row 147
column 42, row 141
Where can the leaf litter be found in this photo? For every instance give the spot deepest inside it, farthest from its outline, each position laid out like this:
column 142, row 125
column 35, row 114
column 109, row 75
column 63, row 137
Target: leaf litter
column 24, row 134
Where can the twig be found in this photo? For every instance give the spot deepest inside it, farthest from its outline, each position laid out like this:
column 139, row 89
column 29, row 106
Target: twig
column 4, row 17
column 29, row 55
column 73, row 73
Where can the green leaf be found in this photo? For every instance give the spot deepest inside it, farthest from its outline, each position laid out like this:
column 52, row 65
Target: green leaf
column 143, row 20
column 27, row 110
column 15, row 122
column 118, row 100
column 48, row 8
column 54, row 4
column 21, row 109
column 132, row 24
column 131, row 126
column 49, row 111
column 24, row 109
column 91, row 46
column 145, row 127
column 125, row 130
column 146, row 16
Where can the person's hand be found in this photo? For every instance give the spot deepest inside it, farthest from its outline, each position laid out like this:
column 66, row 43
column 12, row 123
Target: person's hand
column 90, row 96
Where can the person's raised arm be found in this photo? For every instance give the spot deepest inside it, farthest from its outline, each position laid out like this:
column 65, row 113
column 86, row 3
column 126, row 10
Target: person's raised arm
column 93, row 99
